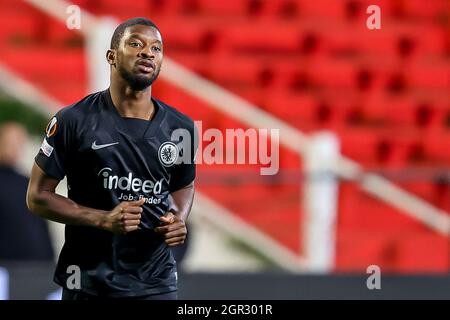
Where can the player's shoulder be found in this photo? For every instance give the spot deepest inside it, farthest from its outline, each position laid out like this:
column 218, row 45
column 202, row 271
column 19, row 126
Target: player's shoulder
column 79, row 110
column 177, row 117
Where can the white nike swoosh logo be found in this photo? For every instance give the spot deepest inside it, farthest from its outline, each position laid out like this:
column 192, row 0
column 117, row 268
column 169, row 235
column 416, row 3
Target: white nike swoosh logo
column 96, row 146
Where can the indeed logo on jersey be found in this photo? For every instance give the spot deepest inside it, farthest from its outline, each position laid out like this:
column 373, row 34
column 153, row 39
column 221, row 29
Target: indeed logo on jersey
column 130, row 183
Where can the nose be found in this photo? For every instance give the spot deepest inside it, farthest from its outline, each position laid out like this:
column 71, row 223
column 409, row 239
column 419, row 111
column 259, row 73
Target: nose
column 147, row 53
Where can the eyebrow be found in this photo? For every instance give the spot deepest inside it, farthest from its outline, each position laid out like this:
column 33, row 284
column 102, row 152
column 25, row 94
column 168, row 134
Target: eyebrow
column 138, row 36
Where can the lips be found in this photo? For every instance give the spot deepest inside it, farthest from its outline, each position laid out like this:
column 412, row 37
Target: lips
column 146, row 65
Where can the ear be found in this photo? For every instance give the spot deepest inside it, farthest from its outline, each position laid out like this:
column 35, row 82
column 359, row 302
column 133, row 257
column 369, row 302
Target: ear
column 111, row 56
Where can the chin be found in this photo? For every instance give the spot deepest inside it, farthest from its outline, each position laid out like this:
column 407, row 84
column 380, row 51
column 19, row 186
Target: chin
column 139, row 81
column 142, row 83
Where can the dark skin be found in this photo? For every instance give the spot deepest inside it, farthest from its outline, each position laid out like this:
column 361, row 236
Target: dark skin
column 140, row 53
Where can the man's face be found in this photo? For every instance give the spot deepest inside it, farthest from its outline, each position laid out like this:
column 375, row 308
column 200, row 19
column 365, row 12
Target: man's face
column 139, row 56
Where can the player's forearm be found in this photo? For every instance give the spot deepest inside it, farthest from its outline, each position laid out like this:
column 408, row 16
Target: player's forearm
column 52, row 206
column 183, row 200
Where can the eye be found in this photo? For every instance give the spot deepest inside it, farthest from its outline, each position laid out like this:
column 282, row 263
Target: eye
column 135, row 44
column 157, row 49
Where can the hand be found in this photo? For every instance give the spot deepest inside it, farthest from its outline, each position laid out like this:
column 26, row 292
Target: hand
column 124, row 218
column 173, row 229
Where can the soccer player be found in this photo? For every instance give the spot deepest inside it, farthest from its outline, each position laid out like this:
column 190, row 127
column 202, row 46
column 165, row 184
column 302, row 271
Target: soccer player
column 130, row 178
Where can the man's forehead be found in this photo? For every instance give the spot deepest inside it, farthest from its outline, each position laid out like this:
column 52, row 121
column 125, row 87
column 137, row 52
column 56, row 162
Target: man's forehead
column 143, row 31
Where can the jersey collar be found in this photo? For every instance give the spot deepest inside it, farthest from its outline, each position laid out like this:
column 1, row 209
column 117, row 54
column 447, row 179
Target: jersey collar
column 153, row 124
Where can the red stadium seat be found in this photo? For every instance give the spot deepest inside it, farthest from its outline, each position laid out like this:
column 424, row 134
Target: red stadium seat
column 283, row 9
column 57, row 32
column 192, row 60
column 297, row 109
column 227, row 69
column 17, row 28
column 261, row 38
column 393, row 251
column 193, row 38
column 223, row 8
column 403, row 112
column 333, row 73
column 426, row 9
column 66, row 64
column 321, row 8
column 437, row 145
column 360, row 144
column 122, row 9
column 430, row 77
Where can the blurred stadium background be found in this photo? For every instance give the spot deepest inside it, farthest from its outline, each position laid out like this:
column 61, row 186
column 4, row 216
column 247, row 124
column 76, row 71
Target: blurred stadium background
column 370, row 108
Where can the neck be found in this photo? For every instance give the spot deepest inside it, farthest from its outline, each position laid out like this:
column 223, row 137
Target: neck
column 131, row 103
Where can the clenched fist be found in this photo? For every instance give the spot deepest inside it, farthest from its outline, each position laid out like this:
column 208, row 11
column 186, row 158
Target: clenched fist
column 124, row 218
column 173, row 229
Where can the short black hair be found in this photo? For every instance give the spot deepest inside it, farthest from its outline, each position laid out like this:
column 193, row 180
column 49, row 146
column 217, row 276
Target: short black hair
column 120, row 30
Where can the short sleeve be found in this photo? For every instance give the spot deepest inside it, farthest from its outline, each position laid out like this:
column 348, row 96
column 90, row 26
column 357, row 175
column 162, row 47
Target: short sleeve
column 53, row 154
column 183, row 173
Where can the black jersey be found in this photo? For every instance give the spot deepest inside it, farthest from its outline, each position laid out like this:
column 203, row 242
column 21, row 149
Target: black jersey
column 106, row 163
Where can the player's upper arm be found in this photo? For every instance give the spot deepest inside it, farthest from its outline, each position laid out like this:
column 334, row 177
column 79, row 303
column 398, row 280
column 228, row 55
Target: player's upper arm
column 51, row 162
column 57, row 145
column 39, row 182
